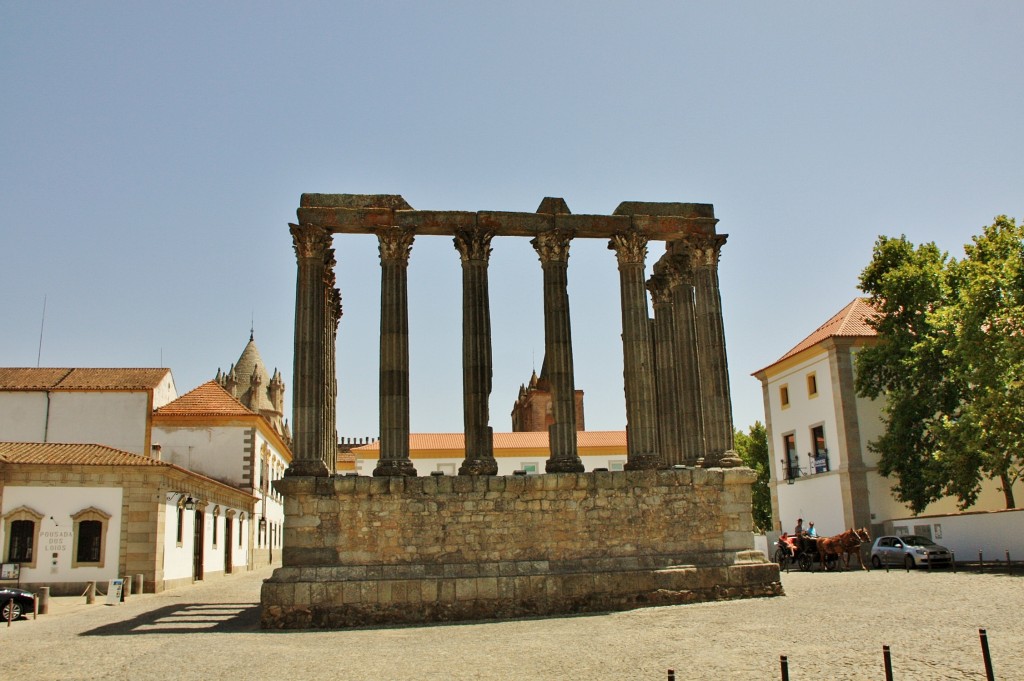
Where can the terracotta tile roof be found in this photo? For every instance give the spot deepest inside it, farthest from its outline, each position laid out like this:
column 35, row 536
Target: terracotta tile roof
column 532, row 440
column 850, row 322
column 209, row 399
column 15, row 378
column 51, row 453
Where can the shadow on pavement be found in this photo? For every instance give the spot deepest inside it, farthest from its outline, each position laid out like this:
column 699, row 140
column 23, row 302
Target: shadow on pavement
column 188, row 618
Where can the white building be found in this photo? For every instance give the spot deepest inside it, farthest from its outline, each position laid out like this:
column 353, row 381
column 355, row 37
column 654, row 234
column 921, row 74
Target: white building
column 818, row 433
column 77, row 513
column 210, row 432
column 524, row 451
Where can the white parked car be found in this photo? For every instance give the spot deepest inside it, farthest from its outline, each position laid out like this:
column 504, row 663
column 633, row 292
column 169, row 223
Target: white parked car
column 911, row 551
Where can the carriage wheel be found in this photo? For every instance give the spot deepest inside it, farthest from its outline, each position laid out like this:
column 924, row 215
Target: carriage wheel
column 780, row 556
column 805, row 561
column 831, row 562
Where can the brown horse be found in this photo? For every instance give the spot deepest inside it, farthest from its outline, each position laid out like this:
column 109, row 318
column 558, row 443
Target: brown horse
column 843, row 546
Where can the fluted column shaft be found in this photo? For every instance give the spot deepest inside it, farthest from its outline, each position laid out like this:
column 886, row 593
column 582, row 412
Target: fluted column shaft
column 333, row 317
column 395, row 244
column 312, row 245
column 714, row 366
column 638, row 362
column 691, row 401
column 474, row 249
column 666, row 376
column 553, row 249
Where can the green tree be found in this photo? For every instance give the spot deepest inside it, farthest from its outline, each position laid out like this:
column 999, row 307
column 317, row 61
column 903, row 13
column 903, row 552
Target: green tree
column 949, row 364
column 752, row 447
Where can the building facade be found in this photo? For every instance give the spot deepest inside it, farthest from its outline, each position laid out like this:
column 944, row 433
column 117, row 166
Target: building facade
column 819, row 430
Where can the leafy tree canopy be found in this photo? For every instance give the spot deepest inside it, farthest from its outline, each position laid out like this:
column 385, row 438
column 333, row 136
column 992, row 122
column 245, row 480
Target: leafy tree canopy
column 752, row 447
column 950, row 364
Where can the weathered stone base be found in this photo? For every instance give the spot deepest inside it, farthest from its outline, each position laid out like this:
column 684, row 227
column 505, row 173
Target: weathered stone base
column 304, row 598
column 400, row 550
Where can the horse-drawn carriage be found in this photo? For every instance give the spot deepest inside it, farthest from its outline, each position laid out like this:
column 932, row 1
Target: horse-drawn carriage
column 825, row 551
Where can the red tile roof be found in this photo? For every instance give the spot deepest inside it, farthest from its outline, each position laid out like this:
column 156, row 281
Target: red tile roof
column 531, row 440
column 51, row 453
column 850, row 322
column 15, row 378
column 209, row 399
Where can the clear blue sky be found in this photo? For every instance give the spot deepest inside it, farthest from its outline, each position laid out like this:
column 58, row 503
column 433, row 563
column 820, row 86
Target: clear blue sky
column 152, row 154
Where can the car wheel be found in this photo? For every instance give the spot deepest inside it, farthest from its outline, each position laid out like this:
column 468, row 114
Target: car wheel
column 876, row 562
column 908, row 561
column 11, row 610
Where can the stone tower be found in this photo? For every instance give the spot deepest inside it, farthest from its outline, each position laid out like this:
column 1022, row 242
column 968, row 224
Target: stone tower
column 249, row 382
column 532, row 413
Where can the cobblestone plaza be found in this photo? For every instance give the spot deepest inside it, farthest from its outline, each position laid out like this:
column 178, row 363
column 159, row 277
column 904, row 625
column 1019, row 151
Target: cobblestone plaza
column 830, row 625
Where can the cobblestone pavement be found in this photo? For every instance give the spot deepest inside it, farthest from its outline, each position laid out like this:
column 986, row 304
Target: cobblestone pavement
column 831, row 626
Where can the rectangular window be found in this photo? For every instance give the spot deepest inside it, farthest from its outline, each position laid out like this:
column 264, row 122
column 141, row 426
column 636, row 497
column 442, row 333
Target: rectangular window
column 90, row 537
column 530, row 468
column 792, row 461
column 784, row 396
column 239, row 530
column 819, row 454
column 616, row 465
column 812, row 385
column 180, row 525
column 446, row 468
column 23, row 533
column 215, row 519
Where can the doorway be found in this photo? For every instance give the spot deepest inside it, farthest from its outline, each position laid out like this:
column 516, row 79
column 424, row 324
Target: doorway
column 197, row 548
column 227, row 545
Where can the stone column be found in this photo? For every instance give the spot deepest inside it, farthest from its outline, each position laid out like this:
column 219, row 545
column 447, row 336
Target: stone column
column 637, row 358
column 474, row 248
column 691, row 403
column 553, row 249
column 395, row 244
column 312, row 244
column 333, row 317
column 714, row 367
column 666, row 375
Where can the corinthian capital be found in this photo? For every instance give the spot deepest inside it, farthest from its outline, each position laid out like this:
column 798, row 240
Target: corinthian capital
column 552, row 246
column 704, row 249
column 310, row 241
column 660, row 287
column 473, row 244
column 395, row 243
column 630, row 247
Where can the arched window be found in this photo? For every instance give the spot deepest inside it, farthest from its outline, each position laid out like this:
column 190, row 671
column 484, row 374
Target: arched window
column 90, row 537
column 21, row 526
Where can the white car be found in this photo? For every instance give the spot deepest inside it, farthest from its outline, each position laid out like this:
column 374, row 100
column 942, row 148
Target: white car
column 910, row 551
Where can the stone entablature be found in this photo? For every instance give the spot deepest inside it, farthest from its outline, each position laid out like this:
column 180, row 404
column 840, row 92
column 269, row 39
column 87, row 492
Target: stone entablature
column 362, row 550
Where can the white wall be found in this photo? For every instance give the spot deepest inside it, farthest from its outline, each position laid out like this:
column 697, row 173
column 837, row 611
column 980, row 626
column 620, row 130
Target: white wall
column 992, row 532
column 507, row 465
column 22, row 416
column 217, row 452
column 56, row 533
column 115, row 419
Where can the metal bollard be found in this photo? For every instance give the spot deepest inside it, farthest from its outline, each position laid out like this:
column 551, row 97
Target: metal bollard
column 138, row 584
column 671, row 675
column 43, row 602
column 1009, row 568
column 989, row 674
column 90, row 593
column 981, row 561
column 887, row 659
column 952, row 560
column 126, row 591
column 784, row 661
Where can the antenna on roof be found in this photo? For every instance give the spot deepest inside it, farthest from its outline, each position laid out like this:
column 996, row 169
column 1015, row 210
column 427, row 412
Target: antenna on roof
column 42, row 323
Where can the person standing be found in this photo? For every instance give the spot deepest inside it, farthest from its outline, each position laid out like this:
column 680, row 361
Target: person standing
column 799, row 527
